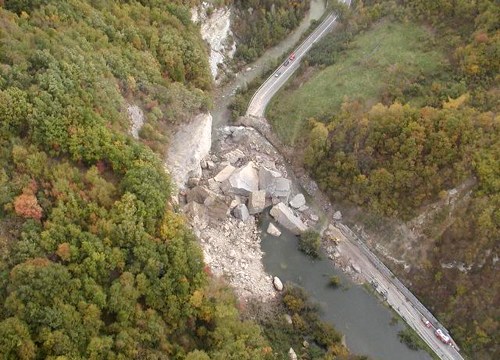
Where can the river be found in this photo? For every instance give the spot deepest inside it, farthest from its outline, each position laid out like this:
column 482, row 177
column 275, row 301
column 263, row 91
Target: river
column 364, row 320
column 361, row 316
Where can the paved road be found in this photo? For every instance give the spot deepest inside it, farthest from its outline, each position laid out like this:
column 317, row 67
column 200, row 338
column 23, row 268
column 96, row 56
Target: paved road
column 396, row 294
column 267, row 90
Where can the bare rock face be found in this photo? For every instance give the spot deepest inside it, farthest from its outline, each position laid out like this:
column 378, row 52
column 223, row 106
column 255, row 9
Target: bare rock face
column 273, row 230
column 136, row 119
column 225, row 173
column 216, row 31
column 189, row 146
column 241, row 212
column 298, row 201
column 257, row 202
column 243, row 181
column 278, row 285
column 284, row 215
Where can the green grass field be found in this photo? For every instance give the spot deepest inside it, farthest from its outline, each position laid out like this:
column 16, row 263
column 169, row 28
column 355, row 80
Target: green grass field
column 389, row 53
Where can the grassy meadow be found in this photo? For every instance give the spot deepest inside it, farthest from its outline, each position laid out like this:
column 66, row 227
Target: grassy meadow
column 390, row 54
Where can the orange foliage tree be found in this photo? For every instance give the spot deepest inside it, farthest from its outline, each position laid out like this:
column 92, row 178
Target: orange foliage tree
column 26, row 205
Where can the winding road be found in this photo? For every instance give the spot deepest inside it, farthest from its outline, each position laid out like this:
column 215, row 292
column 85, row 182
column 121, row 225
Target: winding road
column 280, row 76
column 372, row 269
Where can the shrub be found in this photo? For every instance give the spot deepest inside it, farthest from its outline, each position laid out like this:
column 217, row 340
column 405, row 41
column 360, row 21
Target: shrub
column 310, row 242
column 334, row 281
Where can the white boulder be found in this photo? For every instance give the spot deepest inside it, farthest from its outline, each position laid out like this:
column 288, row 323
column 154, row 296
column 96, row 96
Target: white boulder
column 298, row 201
column 292, row 355
column 337, row 215
column 278, row 285
column 285, row 216
column 225, row 173
column 273, row 230
column 243, row 181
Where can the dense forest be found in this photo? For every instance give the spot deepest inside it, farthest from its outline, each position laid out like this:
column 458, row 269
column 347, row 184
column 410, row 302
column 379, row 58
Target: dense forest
column 425, row 137
column 260, row 24
column 94, row 262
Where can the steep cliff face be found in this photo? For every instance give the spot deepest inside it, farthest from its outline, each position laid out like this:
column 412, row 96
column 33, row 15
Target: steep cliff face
column 215, row 27
column 189, row 146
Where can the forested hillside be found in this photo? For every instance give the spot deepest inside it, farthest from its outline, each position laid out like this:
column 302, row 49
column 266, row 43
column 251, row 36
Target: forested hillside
column 411, row 134
column 94, row 262
column 263, row 23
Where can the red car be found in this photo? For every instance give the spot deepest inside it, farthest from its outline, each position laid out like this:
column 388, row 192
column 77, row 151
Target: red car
column 292, row 56
column 426, row 322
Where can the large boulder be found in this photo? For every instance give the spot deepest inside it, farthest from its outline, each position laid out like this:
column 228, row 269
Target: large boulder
column 257, row 202
column 241, row 212
column 267, row 179
column 273, row 230
column 189, row 145
column 274, row 184
column 283, row 189
column 337, row 216
column 243, row 181
column 298, row 201
column 225, row 173
column 285, row 216
column 216, row 207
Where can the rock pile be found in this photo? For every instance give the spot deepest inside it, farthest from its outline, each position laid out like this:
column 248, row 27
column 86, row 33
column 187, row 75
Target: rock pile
column 245, row 177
